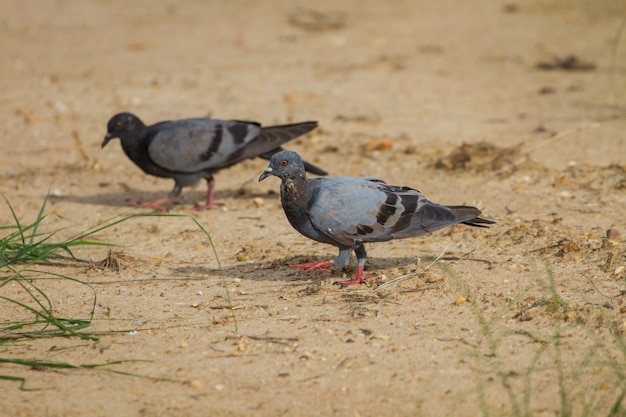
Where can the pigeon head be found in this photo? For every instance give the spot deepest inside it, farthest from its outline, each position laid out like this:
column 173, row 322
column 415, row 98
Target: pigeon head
column 285, row 165
column 120, row 125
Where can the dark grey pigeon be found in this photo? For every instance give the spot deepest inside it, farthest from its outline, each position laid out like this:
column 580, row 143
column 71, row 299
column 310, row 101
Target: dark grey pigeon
column 347, row 212
column 188, row 150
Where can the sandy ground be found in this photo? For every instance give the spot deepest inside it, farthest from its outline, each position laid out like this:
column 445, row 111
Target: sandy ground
column 471, row 102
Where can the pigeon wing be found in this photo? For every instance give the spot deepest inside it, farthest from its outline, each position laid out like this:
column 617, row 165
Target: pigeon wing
column 195, row 145
column 362, row 209
column 367, row 210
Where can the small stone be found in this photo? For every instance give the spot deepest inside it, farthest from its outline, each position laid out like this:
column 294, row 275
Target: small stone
column 196, row 384
column 460, row 300
column 570, row 247
column 612, row 234
column 433, row 277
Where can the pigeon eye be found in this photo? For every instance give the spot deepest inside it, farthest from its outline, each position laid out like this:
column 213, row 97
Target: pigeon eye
column 284, row 163
column 119, row 125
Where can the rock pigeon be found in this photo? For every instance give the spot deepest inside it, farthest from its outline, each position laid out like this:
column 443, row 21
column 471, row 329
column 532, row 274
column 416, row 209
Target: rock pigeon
column 188, row 150
column 347, row 212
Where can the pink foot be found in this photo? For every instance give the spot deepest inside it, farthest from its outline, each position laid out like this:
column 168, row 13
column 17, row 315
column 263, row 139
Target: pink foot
column 310, row 266
column 208, row 206
column 358, row 279
column 157, row 205
column 209, row 197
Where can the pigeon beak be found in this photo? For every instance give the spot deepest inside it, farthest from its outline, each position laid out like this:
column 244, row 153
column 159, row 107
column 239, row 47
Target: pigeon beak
column 106, row 140
column 266, row 173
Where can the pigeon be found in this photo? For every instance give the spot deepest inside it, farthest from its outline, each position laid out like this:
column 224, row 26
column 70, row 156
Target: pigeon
column 347, row 212
column 188, row 150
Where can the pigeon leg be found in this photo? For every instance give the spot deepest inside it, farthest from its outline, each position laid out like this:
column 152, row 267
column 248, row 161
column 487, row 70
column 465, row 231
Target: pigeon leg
column 360, row 277
column 209, row 196
column 310, row 266
column 157, row 205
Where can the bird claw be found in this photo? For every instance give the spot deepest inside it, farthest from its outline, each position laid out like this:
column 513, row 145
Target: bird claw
column 310, row 266
column 358, row 279
column 344, row 284
column 157, row 205
column 208, row 206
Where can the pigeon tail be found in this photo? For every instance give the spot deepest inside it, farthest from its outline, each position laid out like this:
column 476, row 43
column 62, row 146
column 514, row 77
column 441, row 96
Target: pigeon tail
column 289, row 131
column 469, row 216
column 478, row 222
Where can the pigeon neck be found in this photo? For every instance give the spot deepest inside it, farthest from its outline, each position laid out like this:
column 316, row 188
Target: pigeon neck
column 135, row 143
column 298, row 178
column 294, row 195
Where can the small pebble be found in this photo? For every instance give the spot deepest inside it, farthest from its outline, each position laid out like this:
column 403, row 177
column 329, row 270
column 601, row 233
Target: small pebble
column 612, row 234
column 196, row 384
column 460, row 300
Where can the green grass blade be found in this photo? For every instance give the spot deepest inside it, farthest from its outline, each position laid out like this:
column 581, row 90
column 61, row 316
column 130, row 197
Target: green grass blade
column 21, row 380
column 40, row 217
column 219, row 264
column 41, row 364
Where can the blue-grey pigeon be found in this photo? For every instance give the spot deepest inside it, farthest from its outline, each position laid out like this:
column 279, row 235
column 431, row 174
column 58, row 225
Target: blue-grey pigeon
column 347, row 212
column 188, row 150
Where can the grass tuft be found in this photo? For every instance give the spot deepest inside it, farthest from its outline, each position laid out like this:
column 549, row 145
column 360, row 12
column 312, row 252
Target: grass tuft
column 589, row 383
column 26, row 245
column 22, row 251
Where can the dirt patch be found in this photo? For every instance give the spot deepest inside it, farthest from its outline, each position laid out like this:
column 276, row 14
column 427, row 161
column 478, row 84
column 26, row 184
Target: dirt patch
column 526, row 317
column 483, row 157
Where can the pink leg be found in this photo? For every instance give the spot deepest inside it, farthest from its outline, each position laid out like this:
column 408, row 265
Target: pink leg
column 209, row 197
column 358, row 279
column 310, row 266
column 157, row 205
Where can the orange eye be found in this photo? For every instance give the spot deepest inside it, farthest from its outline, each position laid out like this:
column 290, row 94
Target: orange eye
column 118, row 125
column 284, row 163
